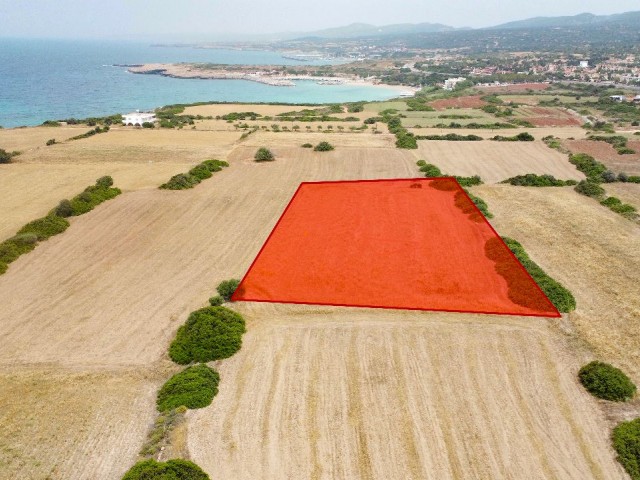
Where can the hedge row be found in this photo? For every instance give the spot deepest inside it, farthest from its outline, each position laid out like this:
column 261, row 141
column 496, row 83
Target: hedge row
column 521, row 137
column 91, row 133
column 562, row 298
column 451, row 137
column 432, row 171
column 55, row 222
column 404, row 139
column 617, row 141
column 533, row 180
column 200, row 172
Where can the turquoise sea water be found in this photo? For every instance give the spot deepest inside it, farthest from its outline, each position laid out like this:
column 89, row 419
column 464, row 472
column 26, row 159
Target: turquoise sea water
column 55, row 79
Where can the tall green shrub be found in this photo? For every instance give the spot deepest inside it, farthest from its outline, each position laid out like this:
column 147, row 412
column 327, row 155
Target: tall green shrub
column 606, row 381
column 170, row 470
column 226, row 288
column 626, row 442
column 210, row 333
column 194, row 387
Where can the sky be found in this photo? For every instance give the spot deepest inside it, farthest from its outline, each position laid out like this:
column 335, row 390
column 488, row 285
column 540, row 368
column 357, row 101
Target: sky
column 183, row 19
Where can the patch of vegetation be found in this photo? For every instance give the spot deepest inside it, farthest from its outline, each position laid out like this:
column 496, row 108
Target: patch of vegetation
column 307, row 145
column 469, row 181
column 562, row 298
column 193, row 388
column 555, row 143
column 323, row 147
column 451, row 137
column 50, row 123
column 89, row 199
column 590, row 189
column 235, row 116
column 216, row 301
column 533, row 180
column 626, row 443
column 170, row 470
column 478, row 126
column 91, row 133
column 158, row 437
column 227, row 288
column 210, row 333
column 589, row 166
column 373, row 120
column 93, row 121
column 618, row 142
column 616, row 205
column 5, row 157
column 521, row 137
column 418, row 105
column 51, row 141
column 264, row 155
column 455, row 116
column 606, row 381
column 404, row 139
column 45, row 227
column 202, row 171
column 430, row 170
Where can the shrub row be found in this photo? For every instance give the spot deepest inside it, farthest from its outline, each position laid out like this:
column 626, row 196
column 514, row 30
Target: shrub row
column 451, row 137
column 404, row 139
column 198, row 173
column 617, row 141
column 521, row 137
column 91, row 133
column 562, row 298
column 533, row 180
column 55, row 222
column 431, row 171
column 480, row 203
column 478, row 126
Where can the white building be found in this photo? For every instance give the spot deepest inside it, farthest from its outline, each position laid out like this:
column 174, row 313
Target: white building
column 138, row 118
column 584, row 64
column 450, row 83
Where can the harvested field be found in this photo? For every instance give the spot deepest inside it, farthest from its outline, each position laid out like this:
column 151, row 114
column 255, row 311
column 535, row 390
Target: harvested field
column 591, row 250
column 549, row 117
column 608, row 155
column 29, row 190
column 496, row 161
column 519, row 87
column 132, row 145
column 345, row 393
column 535, row 99
column 539, row 132
column 338, row 140
column 62, row 425
column 627, row 192
column 458, row 102
column 25, row 139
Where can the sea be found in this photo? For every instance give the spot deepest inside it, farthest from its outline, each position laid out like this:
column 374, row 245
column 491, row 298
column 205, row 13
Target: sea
column 58, row 79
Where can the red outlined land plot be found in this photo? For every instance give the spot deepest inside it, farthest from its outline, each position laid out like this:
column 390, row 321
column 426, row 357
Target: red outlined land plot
column 418, row 244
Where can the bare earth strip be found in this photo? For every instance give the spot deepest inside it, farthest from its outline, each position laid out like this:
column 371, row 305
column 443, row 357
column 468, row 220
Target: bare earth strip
column 591, row 250
column 350, row 393
column 496, row 161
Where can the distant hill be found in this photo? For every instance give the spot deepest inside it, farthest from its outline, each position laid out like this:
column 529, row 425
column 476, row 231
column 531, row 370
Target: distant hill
column 357, row 30
column 582, row 20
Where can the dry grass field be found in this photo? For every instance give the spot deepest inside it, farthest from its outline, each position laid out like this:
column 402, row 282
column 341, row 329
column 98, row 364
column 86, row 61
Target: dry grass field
column 591, row 250
column 627, row 192
column 538, row 132
column 496, row 161
column 25, row 139
column 315, row 392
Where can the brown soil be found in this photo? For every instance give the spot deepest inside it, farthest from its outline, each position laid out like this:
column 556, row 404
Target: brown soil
column 605, row 153
column 458, row 102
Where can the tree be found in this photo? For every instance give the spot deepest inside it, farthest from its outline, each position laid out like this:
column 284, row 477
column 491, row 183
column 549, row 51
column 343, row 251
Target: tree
column 264, row 155
column 323, row 147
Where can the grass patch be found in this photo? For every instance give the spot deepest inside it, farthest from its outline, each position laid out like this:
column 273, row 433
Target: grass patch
column 193, row 388
column 158, row 437
column 202, row 171
column 533, row 180
column 210, row 333
column 562, row 298
column 626, row 443
column 171, row 470
column 606, row 382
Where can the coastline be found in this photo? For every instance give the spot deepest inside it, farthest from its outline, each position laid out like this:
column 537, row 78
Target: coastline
column 266, row 74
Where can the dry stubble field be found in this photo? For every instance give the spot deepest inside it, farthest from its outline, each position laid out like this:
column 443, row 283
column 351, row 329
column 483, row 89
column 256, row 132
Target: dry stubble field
column 315, row 392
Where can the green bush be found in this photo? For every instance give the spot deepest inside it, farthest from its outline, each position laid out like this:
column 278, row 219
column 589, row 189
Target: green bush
column 521, row 137
column 533, row 180
column 5, row 157
column 606, row 381
column 264, row 155
column 431, row 170
column 561, row 297
column 469, row 181
column 589, row 166
column 307, row 145
column 148, row 125
column 64, row 209
column 45, row 227
column 194, row 387
column 323, row 147
column 227, row 287
column 616, row 205
column 451, row 137
column 406, row 141
column 421, row 163
column 480, row 203
column 3, row 267
column 92, row 197
column 209, row 334
column 216, row 301
column 181, row 181
column 626, row 443
column 201, row 172
column 105, row 181
column 171, row 470
column 590, row 189
column 9, row 252
column 51, row 141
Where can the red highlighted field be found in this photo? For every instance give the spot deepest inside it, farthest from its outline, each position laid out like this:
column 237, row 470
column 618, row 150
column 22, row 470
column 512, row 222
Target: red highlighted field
column 417, row 244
